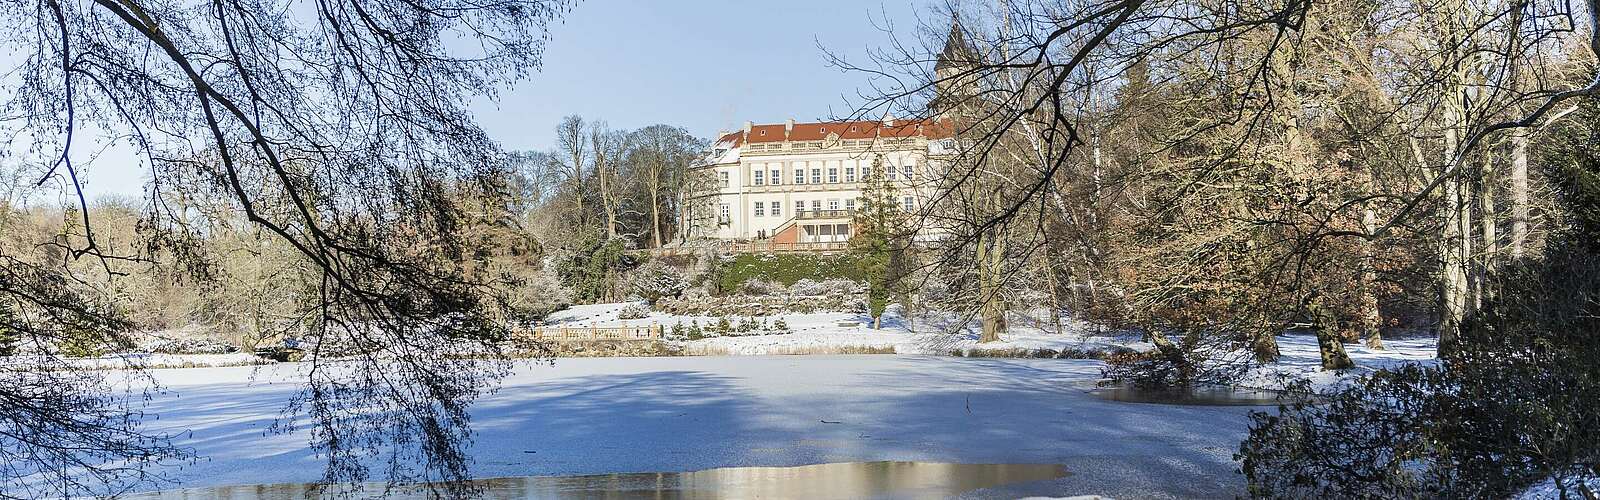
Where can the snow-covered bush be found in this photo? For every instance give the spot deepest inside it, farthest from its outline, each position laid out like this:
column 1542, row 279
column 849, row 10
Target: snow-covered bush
column 761, row 287
column 534, row 293
column 656, row 280
column 190, row 346
column 807, row 287
column 633, row 311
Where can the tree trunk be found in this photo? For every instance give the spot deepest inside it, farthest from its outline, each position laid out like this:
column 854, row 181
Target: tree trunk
column 1488, row 258
column 655, row 217
column 1371, row 316
column 1332, row 349
column 990, row 253
column 1265, row 346
column 1519, row 192
column 1456, row 240
column 1329, row 344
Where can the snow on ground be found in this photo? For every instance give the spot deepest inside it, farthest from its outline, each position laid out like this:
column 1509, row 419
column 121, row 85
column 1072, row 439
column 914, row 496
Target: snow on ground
column 610, row 415
column 1300, row 358
column 1547, row 490
column 157, row 360
column 851, row 332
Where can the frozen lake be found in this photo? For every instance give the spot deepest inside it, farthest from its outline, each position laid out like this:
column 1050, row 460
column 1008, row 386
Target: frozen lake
column 634, row 415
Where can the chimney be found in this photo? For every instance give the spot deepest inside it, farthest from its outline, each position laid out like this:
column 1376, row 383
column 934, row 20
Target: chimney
column 888, row 119
column 787, row 128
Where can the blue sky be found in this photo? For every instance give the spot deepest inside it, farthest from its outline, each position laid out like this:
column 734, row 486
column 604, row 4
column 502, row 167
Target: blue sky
column 701, row 64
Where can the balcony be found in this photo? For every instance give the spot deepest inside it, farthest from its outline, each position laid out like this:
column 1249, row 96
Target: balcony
column 824, row 214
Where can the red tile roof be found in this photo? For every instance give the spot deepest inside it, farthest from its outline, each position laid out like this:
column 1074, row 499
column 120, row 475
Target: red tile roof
column 816, row 131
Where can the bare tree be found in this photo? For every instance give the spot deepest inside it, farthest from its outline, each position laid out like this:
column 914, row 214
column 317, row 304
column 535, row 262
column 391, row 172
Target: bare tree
column 1230, row 200
column 573, row 155
column 338, row 127
column 609, row 149
column 659, row 161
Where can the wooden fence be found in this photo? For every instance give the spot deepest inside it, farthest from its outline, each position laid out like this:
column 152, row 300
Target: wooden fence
column 563, row 333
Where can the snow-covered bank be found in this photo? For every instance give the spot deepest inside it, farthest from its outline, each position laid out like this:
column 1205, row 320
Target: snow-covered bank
column 603, row 415
column 1300, row 358
column 851, row 332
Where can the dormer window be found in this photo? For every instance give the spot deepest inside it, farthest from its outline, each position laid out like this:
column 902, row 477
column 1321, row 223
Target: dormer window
column 763, row 132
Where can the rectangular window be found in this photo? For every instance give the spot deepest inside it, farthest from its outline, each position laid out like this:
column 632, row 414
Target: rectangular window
column 866, row 171
column 850, row 204
column 777, row 209
column 726, row 212
column 888, row 172
column 724, row 176
column 799, row 206
column 816, row 205
column 849, row 174
column 816, row 176
column 833, row 175
column 833, row 204
column 761, row 209
column 777, row 177
column 910, row 204
column 799, row 176
column 906, row 172
column 759, row 178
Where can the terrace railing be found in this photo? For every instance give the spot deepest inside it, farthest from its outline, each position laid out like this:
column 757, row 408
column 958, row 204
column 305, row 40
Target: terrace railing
column 562, row 333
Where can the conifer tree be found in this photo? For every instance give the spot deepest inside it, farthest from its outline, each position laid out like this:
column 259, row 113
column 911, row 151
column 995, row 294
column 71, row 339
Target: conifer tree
column 879, row 241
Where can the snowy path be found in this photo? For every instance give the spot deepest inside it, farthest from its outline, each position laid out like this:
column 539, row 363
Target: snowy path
column 601, row 415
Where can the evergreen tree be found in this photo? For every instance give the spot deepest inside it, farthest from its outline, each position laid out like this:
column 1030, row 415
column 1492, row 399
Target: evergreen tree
column 879, row 241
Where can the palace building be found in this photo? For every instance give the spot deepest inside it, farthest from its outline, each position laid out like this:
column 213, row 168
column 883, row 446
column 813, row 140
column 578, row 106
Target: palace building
column 797, row 185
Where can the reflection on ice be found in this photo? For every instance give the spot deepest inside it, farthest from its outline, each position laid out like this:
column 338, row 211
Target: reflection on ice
column 837, row 480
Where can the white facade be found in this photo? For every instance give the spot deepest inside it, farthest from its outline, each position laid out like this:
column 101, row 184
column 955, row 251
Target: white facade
column 766, row 182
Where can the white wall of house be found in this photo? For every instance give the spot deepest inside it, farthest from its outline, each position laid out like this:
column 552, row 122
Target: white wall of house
column 750, row 205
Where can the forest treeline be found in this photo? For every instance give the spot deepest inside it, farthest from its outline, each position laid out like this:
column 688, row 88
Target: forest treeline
column 547, row 228
column 1213, row 176
column 1354, row 168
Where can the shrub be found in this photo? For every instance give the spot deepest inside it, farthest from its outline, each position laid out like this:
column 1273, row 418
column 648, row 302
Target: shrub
column 633, row 311
column 656, row 280
column 593, row 269
column 761, row 287
column 723, row 326
column 1512, row 405
column 190, row 346
column 78, row 343
column 534, row 293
